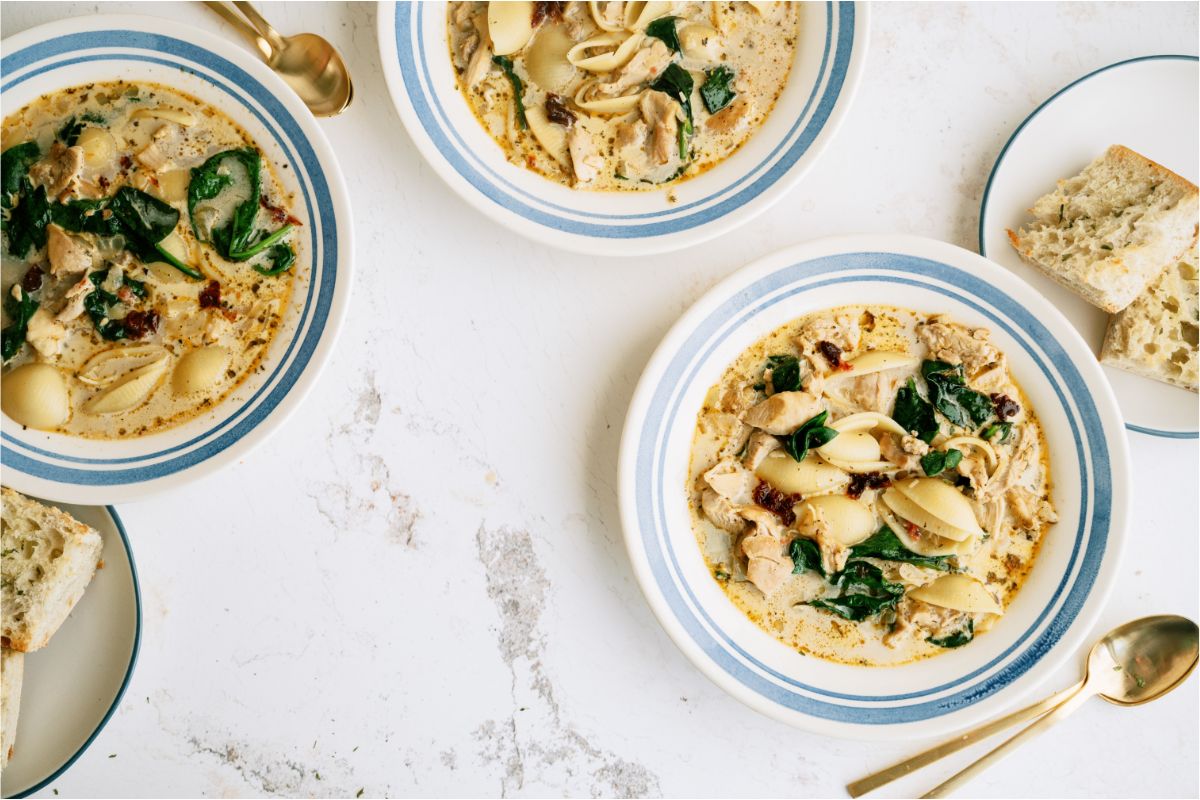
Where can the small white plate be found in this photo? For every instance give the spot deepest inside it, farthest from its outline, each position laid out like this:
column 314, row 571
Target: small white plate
column 104, row 48
column 73, row 685
column 822, row 83
column 1147, row 104
column 1048, row 621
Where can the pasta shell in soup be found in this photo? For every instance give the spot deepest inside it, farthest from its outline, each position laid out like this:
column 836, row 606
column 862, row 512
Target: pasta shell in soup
column 99, row 147
column 639, row 15
column 105, row 367
column 867, row 420
column 847, row 521
column 700, row 43
column 910, row 511
column 606, row 52
column 200, row 370
column 878, row 361
column 549, row 135
column 851, row 446
column 608, row 16
column 807, row 477
column 941, row 500
column 546, row 60
column 35, row 395
column 958, row 592
column 130, row 392
column 594, row 103
column 510, row 25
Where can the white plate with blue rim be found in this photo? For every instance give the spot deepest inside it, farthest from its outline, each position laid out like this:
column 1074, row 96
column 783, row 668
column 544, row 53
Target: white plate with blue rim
column 824, row 78
column 1158, row 98
column 101, row 48
column 1051, row 617
column 73, row 685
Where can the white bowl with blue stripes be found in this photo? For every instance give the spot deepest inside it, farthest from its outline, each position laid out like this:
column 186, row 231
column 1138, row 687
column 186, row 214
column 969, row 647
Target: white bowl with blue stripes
column 1051, row 618
column 103, row 48
column 824, row 78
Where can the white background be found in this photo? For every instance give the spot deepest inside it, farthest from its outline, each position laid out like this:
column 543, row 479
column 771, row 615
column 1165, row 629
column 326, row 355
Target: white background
column 418, row 587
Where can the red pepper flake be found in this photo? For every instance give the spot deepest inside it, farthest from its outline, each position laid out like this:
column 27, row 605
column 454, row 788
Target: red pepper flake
column 210, row 295
column 1006, row 407
column 32, row 280
column 126, row 295
column 777, row 502
column 546, row 10
column 860, row 482
column 140, row 323
column 913, row 530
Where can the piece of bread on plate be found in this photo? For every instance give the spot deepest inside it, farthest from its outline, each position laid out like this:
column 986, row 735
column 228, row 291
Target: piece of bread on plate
column 1156, row 335
column 1112, row 229
column 48, row 559
column 12, row 671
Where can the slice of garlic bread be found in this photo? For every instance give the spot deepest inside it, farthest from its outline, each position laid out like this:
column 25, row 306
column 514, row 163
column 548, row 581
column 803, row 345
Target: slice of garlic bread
column 1112, row 229
column 12, row 672
column 1156, row 335
column 48, row 559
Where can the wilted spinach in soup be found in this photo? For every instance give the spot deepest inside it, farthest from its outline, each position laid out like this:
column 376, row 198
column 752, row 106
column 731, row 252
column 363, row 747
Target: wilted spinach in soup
column 869, row 484
column 621, row 96
column 148, row 254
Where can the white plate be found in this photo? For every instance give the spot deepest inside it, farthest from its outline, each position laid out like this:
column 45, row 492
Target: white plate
column 1051, row 616
column 100, row 48
column 72, row 685
column 1147, row 104
column 824, row 78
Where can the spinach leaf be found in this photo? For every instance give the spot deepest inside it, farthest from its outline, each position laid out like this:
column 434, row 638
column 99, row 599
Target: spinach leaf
column 885, row 544
column 809, row 436
column 27, row 220
column 806, row 555
column 956, row 639
column 280, row 259
column 717, row 91
column 998, row 432
column 949, row 393
column 14, row 166
column 864, row 592
column 785, row 373
column 914, row 413
column 145, row 221
column 86, row 216
column 99, row 304
column 677, row 83
column 12, row 338
column 68, row 134
column 238, row 239
column 664, row 28
column 505, row 63
column 935, row 462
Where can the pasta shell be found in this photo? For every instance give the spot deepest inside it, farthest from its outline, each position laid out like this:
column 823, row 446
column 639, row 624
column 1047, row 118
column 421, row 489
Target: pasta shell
column 927, row 544
column 941, row 500
column 848, row 521
column 129, row 392
column 107, row 366
column 552, row 137
column 546, row 60
column 176, row 115
column 639, row 15
column 807, row 477
column 958, row 592
column 587, row 100
column 908, row 510
column 603, row 22
column 99, row 147
column 867, row 420
column 878, row 361
column 851, row 446
column 614, row 50
column 700, row 43
column 35, row 395
column 959, row 442
column 510, row 25
column 199, row 370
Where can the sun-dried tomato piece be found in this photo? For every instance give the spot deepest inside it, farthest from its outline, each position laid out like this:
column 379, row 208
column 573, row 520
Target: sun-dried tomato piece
column 1006, row 407
column 557, row 111
column 860, row 482
column 140, row 323
column 546, row 10
column 778, row 503
column 210, row 295
column 33, row 279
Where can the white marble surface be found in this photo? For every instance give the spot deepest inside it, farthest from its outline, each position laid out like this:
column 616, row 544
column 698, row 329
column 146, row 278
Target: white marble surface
column 418, row 587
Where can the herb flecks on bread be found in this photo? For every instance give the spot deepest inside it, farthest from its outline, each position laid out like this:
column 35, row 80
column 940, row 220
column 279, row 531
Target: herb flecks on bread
column 1112, row 229
column 1156, row 336
column 48, row 559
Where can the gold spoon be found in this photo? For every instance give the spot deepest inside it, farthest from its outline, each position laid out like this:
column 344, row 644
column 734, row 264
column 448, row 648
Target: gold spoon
column 1133, row 664
column 308, row 63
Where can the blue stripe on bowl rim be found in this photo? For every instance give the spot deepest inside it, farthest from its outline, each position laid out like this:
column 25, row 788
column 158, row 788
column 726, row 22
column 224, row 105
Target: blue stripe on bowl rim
column 987, row 191
column 247, row 90
column 1092, row 530
column 414, row 68
column 133, row 657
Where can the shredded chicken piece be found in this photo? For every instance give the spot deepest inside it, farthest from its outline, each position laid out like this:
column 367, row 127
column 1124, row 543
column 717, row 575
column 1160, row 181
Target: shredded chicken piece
column 68, row 254
column 45, row 334
column 732, row 481
column 1029, row 508
column 783, row 412
column 59, row 171
column 75, row 298
column 721, row 512
column 630, row 147
column 813, row 525
column 768, row 564
column 915, row 618
column 479, row 65
column 1011, row 469
column 760, row 445
column 646, row 65
column 875, row 391
column 157, row 155
column 585, row 159
column 905, row 453
column 841, row 330
column 958, row 344
column 662, row 115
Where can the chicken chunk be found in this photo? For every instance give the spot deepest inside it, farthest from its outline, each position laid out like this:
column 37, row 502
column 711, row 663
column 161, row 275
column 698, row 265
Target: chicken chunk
column 841, row 330
column 731, row 480
column 813, row 525
column 75, row 298
column 721, row 512
column 662, row 116
column 158, row 156
column 905, row 453
column 760, row 445
column 783, row 412
column 768, row 564
column 479, row 65
column 59, row 172
column 68, row 254
column 646, row 65
column 917, row 619
column 45, row 334
column 958, row 344
column 585, row 158
column 1029, row 508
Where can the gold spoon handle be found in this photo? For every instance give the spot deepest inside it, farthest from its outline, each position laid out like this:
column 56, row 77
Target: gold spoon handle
column 885, row 776
column 258, row 21
column 246, row 29
column 983, row 762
